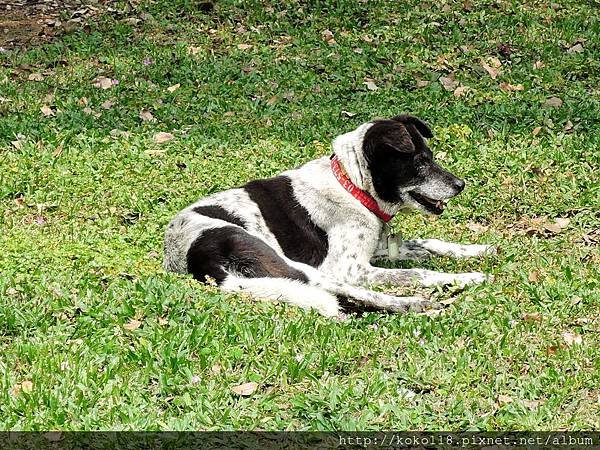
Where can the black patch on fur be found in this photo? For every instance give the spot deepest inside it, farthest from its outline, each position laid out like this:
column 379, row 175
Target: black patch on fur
column 300, row 239
column 398, row 156
column 217, row 212
column 220, row 251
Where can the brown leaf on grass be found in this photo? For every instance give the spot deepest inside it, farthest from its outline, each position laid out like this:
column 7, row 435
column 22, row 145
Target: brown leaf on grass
column 492, row 66
column 162, row 321
column 245, row 389
column 107, row 104
column 422, row 83
column 47, row 111
column 538, row 65
column 103, row 82
column 88, row 110
column 572, row 338
column 461, row 90
column 534, row 276
column 507, row 87
column 532, row 317
column 504, row 399
column 194, row 50
column 476, row 227
column 568, row 128
column 371, row 85
column 536, row 131
column 558, row 225
column 272, row 100
column 328, row 37
column 27, row 386
column 174, row 87
column 244, row 46
column 449, row 83
column 161, row 137
column 347, row 113
column 146, row 116
column 577, row 48
column 553, row 102
column 83, row 101
column 532, row 404
column 132, row 325
column 35, row 77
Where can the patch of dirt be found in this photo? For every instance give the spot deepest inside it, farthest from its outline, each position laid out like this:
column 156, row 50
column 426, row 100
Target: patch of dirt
column 32, row 22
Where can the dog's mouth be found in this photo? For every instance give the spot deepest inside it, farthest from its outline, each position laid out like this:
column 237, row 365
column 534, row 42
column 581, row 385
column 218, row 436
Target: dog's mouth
column 430, row 204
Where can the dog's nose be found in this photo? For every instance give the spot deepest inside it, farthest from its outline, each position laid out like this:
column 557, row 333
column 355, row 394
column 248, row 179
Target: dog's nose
column 460, row 185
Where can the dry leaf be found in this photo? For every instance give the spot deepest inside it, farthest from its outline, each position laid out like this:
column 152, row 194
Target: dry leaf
column 507, row 87
column 577, row 48
column 132, row 325
column 216, row 369
column 422, row 83
column 538, row 65
column 245, row 389
column 568, row 127
column 532, row 317
column 449, row 83
column 87, row 110
column 57, row 151
column 83, row 101
column 107, row 104
column 534, row 276
column 461, row 90
column 371, row 85
column 272, row 100
column 162, row 321
column 553, row 102
column 504, row 399
column 536, row 131
column 194, row 50
column 174, row 87
column 328, row 37
column 492, row 67
column 572, row 338
column 27, row 386
column 161, row 137
column 244, row 46
column 103, row 82
column 35, row 77
column 532, row 404
column 46, row 110
column 476, row 227
column 146, row 116
column 558, row 225
column 348, row 113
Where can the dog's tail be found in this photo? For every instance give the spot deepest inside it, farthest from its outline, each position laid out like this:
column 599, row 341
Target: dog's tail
column 285, row 290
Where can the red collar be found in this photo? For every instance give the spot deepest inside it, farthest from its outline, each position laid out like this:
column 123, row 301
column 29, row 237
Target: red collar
column 364, row 197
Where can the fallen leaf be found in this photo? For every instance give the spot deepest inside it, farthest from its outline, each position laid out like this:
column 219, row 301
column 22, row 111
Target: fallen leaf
column 194, row 50
column 476, row 227
column 107, row 104
column 47, row 111
column 576, row 300
column 572, row 338
column 577, row 48
column 174, row 87
column 132, row 325
column 532, row 317
column 371, row 85
column 83, row 101
column 146, row 116
column 568, row 128
column 538, row 65
column 534, row 276
column 461, row 90
column 103, row 82
column 162, row 321
column 558, row 225
column 532, row 404
column 216, row 369
column 27, row 386
column 229, row 114
column 272, row 100
column 244, row 46
column 328, row 37
column 422, row 83
column 507, row 87
column 449, row 83
column 552, row 350
column 195, row 379
column 504, row 399
column 553, row 102
column 492, row 67
column 348, row 113
column 35, row 77
column 161, row 137
column 87, row 110
column 536, row 131
column 245, row 389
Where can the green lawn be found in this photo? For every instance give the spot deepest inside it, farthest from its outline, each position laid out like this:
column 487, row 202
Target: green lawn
column 93, row 333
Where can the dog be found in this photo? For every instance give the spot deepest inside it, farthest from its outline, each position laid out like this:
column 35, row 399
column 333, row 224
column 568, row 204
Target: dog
column 309, row 236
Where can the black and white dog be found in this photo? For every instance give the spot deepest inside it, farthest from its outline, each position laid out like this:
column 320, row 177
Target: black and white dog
column 308, row 236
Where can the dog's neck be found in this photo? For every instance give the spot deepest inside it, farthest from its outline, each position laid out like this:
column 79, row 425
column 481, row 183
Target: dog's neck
column 348, row 148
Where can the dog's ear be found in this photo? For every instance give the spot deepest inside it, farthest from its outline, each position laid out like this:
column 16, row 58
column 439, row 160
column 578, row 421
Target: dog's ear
column 421, row 126
column 388, row 134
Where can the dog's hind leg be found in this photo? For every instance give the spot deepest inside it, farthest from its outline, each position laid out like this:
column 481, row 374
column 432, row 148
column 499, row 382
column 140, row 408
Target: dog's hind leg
column 241, row 262
column 424, row 248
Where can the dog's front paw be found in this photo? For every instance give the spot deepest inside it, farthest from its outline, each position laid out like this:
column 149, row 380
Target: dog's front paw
column 463, row 279
column 481, row 250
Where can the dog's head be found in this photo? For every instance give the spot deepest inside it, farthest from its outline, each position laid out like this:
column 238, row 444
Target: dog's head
column 402, row 169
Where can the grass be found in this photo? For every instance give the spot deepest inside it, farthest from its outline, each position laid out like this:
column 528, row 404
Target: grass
column 86, row 194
